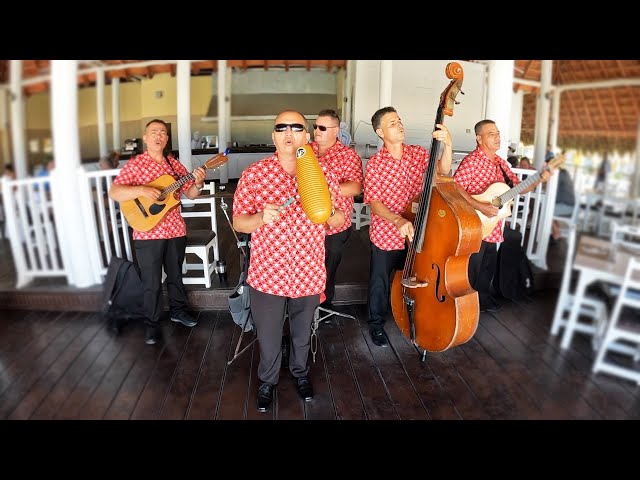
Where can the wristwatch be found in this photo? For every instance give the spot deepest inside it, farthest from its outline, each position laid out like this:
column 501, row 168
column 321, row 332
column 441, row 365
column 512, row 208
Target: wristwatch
column 333, row 211
column 199, row 188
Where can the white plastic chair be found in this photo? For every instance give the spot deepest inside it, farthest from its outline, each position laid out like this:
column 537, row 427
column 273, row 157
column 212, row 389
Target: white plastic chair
column 201, row 242
column 624, row 325
column 590, row 307
column 361, row 213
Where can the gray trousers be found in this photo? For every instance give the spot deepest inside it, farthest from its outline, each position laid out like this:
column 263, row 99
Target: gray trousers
column 268, row 313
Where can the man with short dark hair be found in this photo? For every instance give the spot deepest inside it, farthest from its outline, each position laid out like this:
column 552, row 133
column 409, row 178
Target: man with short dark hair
column 164, row 244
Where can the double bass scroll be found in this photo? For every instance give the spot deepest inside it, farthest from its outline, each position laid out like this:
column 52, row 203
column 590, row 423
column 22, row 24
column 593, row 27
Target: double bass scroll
column 432, row 300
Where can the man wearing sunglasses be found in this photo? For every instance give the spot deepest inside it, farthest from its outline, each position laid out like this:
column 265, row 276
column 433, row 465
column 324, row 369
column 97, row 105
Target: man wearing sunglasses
column 286, row 269
column 393, row 178
column 347, row 165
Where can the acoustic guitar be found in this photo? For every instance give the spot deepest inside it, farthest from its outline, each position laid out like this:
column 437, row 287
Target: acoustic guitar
column 500, row 195
column 144, row 214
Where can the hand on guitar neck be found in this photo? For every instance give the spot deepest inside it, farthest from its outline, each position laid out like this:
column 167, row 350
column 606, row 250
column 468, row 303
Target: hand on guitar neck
column 496, row 200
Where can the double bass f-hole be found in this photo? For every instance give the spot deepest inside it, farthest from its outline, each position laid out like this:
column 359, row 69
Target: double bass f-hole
column 437, row 289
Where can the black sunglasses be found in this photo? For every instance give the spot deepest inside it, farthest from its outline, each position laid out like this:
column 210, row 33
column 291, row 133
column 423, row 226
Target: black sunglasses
column 295, row 127
column 322, row 128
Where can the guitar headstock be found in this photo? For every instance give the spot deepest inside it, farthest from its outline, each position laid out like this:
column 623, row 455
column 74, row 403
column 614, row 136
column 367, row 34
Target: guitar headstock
column 217, row 160
column 555, row 162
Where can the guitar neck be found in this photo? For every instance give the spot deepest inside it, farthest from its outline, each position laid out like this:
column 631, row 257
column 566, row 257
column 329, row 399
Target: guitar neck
column 515, row 191
column 176, row 185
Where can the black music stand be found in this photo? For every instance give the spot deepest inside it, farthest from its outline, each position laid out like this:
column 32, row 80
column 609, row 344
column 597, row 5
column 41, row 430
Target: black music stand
column 244, row 246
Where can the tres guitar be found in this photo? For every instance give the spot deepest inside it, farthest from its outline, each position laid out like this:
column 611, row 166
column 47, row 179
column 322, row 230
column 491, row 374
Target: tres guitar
column 500, row 195
column 144, row 214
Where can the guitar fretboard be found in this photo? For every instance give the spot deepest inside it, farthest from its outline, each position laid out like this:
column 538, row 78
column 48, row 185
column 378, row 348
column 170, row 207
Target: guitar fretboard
column 512, row 193
column 176, row 185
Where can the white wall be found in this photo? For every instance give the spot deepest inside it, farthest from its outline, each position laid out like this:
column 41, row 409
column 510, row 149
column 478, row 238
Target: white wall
column 416, row 89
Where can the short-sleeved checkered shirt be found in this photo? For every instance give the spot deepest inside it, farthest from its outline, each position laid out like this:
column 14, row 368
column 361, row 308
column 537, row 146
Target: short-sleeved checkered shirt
column 394, row 183
column 142, row 169
column 476, row 173
column 347, row 165
column 287, row 257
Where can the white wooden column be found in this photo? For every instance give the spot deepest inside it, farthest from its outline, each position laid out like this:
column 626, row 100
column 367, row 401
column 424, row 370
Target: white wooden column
column 73, row 235
column 386, row 83
column 100, row 111
column 635, row 180
column 499, row 98
column 18, row 125
column 555, row 120
column 347, row 92
column 183, row 85
column 542, row 114
column 4, row 126
column 515, row 128
column 223, row 114
column 115, row 113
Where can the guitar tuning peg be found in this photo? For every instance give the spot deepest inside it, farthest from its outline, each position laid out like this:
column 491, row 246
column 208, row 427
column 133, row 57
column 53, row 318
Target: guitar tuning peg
column 461, row 92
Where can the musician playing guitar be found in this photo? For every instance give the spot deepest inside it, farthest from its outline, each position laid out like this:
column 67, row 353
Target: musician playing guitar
column 164, row 244
column 477, row 171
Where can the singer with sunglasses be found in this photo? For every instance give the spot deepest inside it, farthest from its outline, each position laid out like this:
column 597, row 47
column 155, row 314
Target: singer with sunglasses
column 393, row 178
column 286, row 269
column 347, row 165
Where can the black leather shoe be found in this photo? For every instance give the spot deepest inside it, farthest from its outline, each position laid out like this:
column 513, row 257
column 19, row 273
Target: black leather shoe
column 491, row 308
column 152, row 336
column 265, row 396
column 305, row 389
column 184, row 318
column 379, row 338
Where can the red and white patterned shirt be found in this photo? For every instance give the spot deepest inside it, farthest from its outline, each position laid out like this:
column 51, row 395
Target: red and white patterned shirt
column 394, row 183
column 476, row 173
column 142, row 169
column 287, row 256
column 347, row 165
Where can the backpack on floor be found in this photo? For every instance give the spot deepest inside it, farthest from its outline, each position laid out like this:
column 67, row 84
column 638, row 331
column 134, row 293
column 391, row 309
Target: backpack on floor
column 123, row 294
column 514, row 273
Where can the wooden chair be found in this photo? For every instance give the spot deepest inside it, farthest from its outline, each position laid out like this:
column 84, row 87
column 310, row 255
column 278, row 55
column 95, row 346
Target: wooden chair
column 624, row 326
column 591, row 307
column 202, row 242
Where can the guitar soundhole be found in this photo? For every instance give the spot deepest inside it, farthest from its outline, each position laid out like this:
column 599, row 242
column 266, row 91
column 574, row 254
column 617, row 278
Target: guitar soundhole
column 156, row 209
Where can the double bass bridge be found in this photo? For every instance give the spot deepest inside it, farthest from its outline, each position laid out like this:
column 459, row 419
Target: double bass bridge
column 413, row 282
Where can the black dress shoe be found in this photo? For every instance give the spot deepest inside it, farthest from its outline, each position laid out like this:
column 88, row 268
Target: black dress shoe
column 305, row 389
column 491, row 307
column 265, row 396
column 152, row 336
column 184, row 318
column 379, row 338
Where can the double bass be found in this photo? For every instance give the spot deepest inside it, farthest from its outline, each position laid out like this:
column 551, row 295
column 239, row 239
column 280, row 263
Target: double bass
column 432, row 300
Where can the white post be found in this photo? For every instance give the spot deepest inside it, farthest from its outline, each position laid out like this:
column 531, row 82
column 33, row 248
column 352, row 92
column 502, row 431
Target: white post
column 18, row 127
column 515, row 128
column 386, row 83
column 115, row 113
column 542, row 114
column 499, row 98
column 4, row 128
column 183, row 85
column 100, row 111
column 555, row 120
column 347, row 92
column 223, row 113
column 75, row 250
column 635, row 182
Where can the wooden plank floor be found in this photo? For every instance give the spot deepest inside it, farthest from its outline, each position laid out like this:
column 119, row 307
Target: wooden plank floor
column 70, row 365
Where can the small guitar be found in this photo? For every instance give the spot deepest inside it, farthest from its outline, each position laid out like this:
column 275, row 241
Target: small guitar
column 500, row 195
column 144, row 214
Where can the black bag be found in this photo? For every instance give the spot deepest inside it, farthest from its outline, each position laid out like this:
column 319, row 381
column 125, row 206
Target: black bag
column 514, row 274
column 123, row 294
column 239, row 300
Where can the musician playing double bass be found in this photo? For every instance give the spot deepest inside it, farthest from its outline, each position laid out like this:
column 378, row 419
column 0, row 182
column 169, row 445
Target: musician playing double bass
column 393, row 178
column 477, row 171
